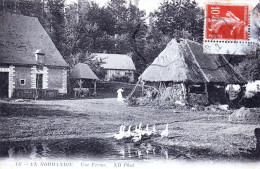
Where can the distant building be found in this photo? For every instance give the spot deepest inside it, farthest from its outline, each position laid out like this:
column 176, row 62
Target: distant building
column 82, row 73
column 117, row 66
column 30, row 64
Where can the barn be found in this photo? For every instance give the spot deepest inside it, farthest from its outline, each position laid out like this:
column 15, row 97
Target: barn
column 191, row 75
column 30, row 64
column 117, row 66
column 83, row 80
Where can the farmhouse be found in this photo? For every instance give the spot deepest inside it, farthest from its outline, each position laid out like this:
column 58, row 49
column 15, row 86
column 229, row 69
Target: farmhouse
column 117, row 66
column 30, row 64
column 189, row 74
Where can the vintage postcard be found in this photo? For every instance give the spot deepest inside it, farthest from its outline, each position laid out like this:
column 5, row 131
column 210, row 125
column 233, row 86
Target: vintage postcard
column 129, row 84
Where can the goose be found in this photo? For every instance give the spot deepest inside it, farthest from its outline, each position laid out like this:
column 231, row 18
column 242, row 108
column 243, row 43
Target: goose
column 144, row 132
column 154, row 130
column 128, row 133
column 147, row 132
column 165, row 132
column 140, row 126
column 120, row 129
column 123, row 129
column 121, row 133
column 137, row 130
column 134, row 132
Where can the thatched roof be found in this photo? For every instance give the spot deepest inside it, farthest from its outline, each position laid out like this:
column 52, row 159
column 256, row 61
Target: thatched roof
column 21, row 37
column 82, row 71
column 115, row 61
column 186, row 62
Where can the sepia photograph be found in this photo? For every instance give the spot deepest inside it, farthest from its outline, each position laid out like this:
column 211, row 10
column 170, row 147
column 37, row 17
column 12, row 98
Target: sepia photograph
column 129, row 84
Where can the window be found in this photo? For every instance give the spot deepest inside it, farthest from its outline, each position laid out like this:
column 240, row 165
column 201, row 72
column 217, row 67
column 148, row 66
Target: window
column 22, row 81
column 199, row 89
column 128, row 73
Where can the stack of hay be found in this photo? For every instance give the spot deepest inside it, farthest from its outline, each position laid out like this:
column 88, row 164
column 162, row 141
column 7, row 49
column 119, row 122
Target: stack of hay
column 245, row 115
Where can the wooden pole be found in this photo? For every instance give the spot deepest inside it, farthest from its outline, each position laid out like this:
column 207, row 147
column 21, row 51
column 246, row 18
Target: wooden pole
column 95, row 88
column 80, row 86
column 188, row 92
column 184, row 91
column 206, row 92
column 132, row 92
column 142, row 88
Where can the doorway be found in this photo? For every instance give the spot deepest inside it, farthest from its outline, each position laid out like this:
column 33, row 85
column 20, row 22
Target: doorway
column 4, row 83
column 39, row 81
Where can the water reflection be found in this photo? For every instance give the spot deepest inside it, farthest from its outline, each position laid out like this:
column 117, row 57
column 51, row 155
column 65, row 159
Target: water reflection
column 93, row 148
column 142, row 151
column 81, row 148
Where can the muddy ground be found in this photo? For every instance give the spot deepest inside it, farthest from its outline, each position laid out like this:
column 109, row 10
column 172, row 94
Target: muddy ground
column 205, row 132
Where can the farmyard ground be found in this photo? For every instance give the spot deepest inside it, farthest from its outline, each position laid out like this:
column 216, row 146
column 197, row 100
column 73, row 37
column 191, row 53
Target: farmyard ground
column 205, row 131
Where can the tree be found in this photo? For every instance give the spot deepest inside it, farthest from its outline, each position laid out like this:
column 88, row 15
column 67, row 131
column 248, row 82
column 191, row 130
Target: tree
column 171, row 18
column 56, row 18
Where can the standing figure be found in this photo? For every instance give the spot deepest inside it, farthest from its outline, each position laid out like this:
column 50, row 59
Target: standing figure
column 119, row 95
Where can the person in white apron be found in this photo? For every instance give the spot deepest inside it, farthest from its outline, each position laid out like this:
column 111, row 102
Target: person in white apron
column 119, row 95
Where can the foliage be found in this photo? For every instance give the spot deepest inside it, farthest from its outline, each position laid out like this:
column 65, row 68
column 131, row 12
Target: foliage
column 173, row 17
column 82, row 28
column 249, row 68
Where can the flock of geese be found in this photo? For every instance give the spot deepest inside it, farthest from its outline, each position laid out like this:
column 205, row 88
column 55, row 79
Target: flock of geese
column 138, row 133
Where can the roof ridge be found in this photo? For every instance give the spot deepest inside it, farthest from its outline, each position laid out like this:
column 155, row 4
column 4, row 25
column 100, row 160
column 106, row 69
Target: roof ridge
column 233, row 68
column 20, row 15
column 198, row 64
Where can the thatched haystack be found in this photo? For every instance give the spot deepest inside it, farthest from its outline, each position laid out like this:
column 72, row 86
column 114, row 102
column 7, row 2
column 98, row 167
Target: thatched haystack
column 185, row 68
column 245, row 115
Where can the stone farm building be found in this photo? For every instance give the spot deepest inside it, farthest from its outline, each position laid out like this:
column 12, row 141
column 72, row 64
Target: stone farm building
column 116, row 66
column 30, row 64
column 189, row 74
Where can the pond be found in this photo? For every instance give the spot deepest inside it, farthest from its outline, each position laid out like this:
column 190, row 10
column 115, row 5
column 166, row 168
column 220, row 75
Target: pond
column 107, row 149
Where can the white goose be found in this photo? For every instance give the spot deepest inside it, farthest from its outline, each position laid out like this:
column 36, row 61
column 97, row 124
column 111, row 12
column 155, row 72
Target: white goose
column 120, row 129
column 140, row 126
column 121, row 133
column 128, row 133
column 147, row 132
column 137, row 130
column 165, row 132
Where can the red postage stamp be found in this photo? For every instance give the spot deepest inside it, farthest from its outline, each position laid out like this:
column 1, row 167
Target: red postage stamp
column 227, row 22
